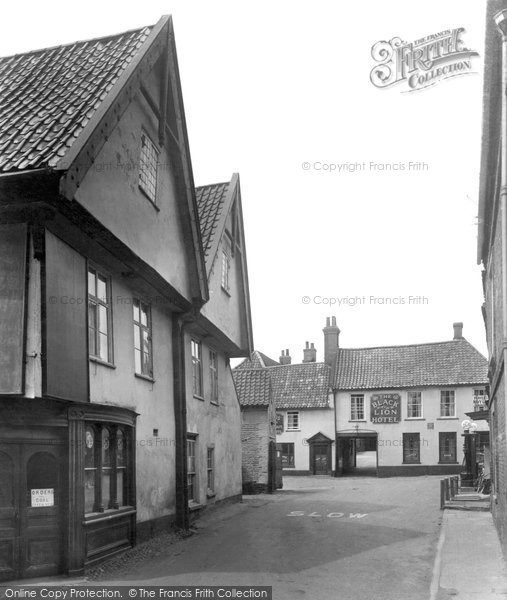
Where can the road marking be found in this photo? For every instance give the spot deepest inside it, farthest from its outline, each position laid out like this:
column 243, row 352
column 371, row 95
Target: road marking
column 331, row 515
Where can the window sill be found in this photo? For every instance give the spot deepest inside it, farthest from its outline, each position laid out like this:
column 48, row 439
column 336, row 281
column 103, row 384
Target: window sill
column 448, row 462
column 412, row 462
column 214, row 403
column 99, row 361
column 357, row 420
column 210, row 494
column 198, row 397
column 145, row 377
column 192, row 505
column 225, row 291
column 447, row 418
column 150, row 200
column 292, row 430
column 415, row 419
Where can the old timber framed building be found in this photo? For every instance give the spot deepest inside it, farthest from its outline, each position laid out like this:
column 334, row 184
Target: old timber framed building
column 123, row 295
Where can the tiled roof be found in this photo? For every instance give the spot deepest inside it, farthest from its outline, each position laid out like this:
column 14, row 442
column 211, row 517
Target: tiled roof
column 210, row 202
column 304, row 385
column 253, row 387
column 48, row 96
column 455, row 362
column 257, row 360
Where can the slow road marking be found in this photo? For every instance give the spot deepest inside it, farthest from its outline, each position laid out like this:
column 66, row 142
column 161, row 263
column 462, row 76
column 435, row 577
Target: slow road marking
column 331, row 515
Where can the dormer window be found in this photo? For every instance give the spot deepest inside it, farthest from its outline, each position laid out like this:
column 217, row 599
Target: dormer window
column 226, row 266
column 148, row 160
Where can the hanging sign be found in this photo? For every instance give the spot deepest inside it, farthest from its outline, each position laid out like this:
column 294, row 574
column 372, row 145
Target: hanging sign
column 279, row 423
column 43, row 497
column 385, row 408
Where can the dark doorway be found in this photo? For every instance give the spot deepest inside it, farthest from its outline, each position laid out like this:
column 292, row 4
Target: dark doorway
column 31, row 499
column 357, row 454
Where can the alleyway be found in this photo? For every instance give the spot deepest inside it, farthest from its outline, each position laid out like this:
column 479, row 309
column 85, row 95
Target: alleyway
column 320, row 537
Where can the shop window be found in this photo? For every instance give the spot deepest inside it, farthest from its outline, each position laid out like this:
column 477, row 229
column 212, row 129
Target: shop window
column 447, row 403
column 99, row 316
column 447, row 447
column 191, row 469
column 211, row 471
column 142, row 338
column 107, row 475
column 411, row 448
column 414, row 405
column 287, row 453
column 213, row 376
column 357, row 407
column 148, row 167
column 293, row 423
column 197, row 367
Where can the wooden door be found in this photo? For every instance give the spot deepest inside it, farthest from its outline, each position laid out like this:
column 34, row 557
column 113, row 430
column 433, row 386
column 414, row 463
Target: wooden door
column 320, row 459
column 31, row 531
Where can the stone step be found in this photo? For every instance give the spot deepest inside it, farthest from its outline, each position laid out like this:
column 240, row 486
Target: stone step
column 473, row 506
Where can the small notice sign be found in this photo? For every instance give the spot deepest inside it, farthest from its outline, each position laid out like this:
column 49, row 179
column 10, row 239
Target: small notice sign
column 43, row 497
column 279, row 423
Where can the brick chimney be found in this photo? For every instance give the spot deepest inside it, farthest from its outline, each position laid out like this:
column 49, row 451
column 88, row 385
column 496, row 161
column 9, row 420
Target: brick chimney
column 458, row 331
column 285, row 358
column 309, row 353
column 331, row 341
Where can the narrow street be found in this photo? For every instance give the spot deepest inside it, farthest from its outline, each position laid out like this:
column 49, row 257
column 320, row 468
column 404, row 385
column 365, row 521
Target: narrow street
column 350, row 538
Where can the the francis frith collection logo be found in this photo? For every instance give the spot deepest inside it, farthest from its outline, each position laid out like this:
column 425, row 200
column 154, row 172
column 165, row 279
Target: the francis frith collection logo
column 422, row 63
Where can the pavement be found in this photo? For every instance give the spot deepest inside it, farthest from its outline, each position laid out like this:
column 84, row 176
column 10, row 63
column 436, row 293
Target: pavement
column 352, row 538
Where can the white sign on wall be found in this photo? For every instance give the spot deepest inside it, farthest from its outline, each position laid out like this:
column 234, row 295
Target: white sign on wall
column 43, row 497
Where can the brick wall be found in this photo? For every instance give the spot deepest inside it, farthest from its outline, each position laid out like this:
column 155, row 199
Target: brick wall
column 255, row 438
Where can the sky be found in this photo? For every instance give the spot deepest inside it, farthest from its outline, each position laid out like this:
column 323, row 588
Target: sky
column 279, row 91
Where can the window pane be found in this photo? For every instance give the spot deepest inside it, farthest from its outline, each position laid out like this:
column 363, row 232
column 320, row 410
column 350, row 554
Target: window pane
column 137, row 337
column 137, row 360
column 144, row 315
column 89, row 490
column 101, row 288
column 136, row 310
column 146, row 341
column 106, row 487
column 120, row 449
column 103, row 319
column 92, row 326
column 146, row 364
column 104, row 349
column 7, row 479
column 91, row 283
column 120, row 477
column 89, row 448
column 106, row 449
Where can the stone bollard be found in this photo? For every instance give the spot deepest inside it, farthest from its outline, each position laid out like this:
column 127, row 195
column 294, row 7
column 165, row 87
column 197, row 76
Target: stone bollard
column 442, row 494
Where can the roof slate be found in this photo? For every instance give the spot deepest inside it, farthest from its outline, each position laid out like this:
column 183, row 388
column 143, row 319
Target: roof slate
column 48, row 96
column 304, row 385
column 454, row 362
column 257, row 360
column 210, row 203
column 253, row 387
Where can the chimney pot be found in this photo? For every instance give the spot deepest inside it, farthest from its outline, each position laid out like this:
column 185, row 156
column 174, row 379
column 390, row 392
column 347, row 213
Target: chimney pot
column 285, row 358
column 458, row 331
column 331, row 341
column 328, row 321
column 309, row 353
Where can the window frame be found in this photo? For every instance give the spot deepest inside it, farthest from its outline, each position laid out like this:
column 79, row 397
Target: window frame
column 289, row 452
column 192, row 474
column 99, row 469
column 410, row 406
column 444, row 403
column 210, row 470
column 148, row 171
column 414, row 459
column 291, row 414
column 107, row 305
column 197, row 375
column 213, row 375
column 225, row 275
column 354, row 398
column 454, row 450
column 143, row 328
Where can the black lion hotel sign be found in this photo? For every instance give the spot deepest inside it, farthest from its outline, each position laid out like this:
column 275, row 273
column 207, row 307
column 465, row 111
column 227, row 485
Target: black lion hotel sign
column 385, row 408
